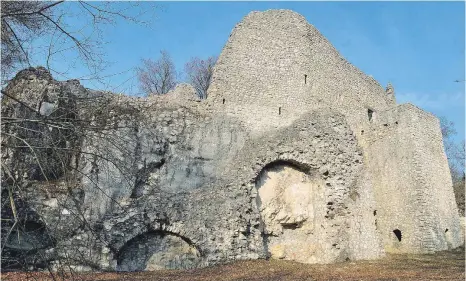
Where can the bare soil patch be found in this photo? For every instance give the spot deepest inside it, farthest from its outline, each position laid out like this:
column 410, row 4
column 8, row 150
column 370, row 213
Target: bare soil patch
column 448, row 265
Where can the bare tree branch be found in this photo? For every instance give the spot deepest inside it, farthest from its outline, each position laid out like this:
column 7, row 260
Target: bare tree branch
column 24, row 21
column 33, row 12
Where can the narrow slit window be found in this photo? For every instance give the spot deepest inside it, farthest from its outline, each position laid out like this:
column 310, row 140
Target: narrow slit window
column 398, row 235
column 370, row 112
column 223, row 101
column 305, row 78
column 279, row 111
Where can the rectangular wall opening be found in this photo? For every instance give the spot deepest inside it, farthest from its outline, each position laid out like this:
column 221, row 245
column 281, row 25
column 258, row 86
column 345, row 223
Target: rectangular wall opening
column 370, row 113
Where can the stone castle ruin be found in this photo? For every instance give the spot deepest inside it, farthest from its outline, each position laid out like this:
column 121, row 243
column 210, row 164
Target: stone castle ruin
column 295, row 154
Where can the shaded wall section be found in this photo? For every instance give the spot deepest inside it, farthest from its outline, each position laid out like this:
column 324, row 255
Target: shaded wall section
column 411, row 177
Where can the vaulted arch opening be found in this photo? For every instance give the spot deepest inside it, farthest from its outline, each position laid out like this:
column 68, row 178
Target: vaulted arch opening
column 22, row 244
column 157, row 250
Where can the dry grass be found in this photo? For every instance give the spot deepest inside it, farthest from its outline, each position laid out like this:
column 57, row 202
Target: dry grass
column 440, row 266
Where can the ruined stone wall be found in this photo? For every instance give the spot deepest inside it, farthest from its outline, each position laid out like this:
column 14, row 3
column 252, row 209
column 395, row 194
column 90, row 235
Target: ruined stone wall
column 165, row 183
column 225, row 220
column 276, row 66
column 412, row 182
column 331, row 172
column 151, row 164
column 294, row 155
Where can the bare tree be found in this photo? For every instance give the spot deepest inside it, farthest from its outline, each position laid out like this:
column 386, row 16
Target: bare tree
column 456, row 160
column 447, row 127
column 157, row 77
column 77, row 44
column 455, row 151
column 199, row 74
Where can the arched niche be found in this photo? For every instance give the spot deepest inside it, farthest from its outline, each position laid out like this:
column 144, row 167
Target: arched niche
column 21, row 245
column 291, row 203
column 157, row 250
column 29, row 236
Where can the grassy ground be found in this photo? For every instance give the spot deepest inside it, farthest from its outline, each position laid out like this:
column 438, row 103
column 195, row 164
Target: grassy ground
column 440, row 266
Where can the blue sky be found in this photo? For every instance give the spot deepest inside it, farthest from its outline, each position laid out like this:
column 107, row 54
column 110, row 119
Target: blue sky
column 418, row 46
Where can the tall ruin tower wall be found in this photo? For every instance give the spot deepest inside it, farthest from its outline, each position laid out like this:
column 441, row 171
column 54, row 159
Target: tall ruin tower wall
column 276, row 66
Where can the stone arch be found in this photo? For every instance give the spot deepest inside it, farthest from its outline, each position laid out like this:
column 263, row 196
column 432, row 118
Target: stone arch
column 29, row 235
column 23, row 242
column 155, row 250
column 291, row 203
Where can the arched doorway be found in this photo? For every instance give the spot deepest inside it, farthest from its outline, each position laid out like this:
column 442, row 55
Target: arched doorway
column 157, row 250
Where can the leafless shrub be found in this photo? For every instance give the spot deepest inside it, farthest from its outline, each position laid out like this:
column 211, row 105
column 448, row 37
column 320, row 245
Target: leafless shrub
column 199, row 73
column 43, row 156
column 157, row 77
column 455, row 151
